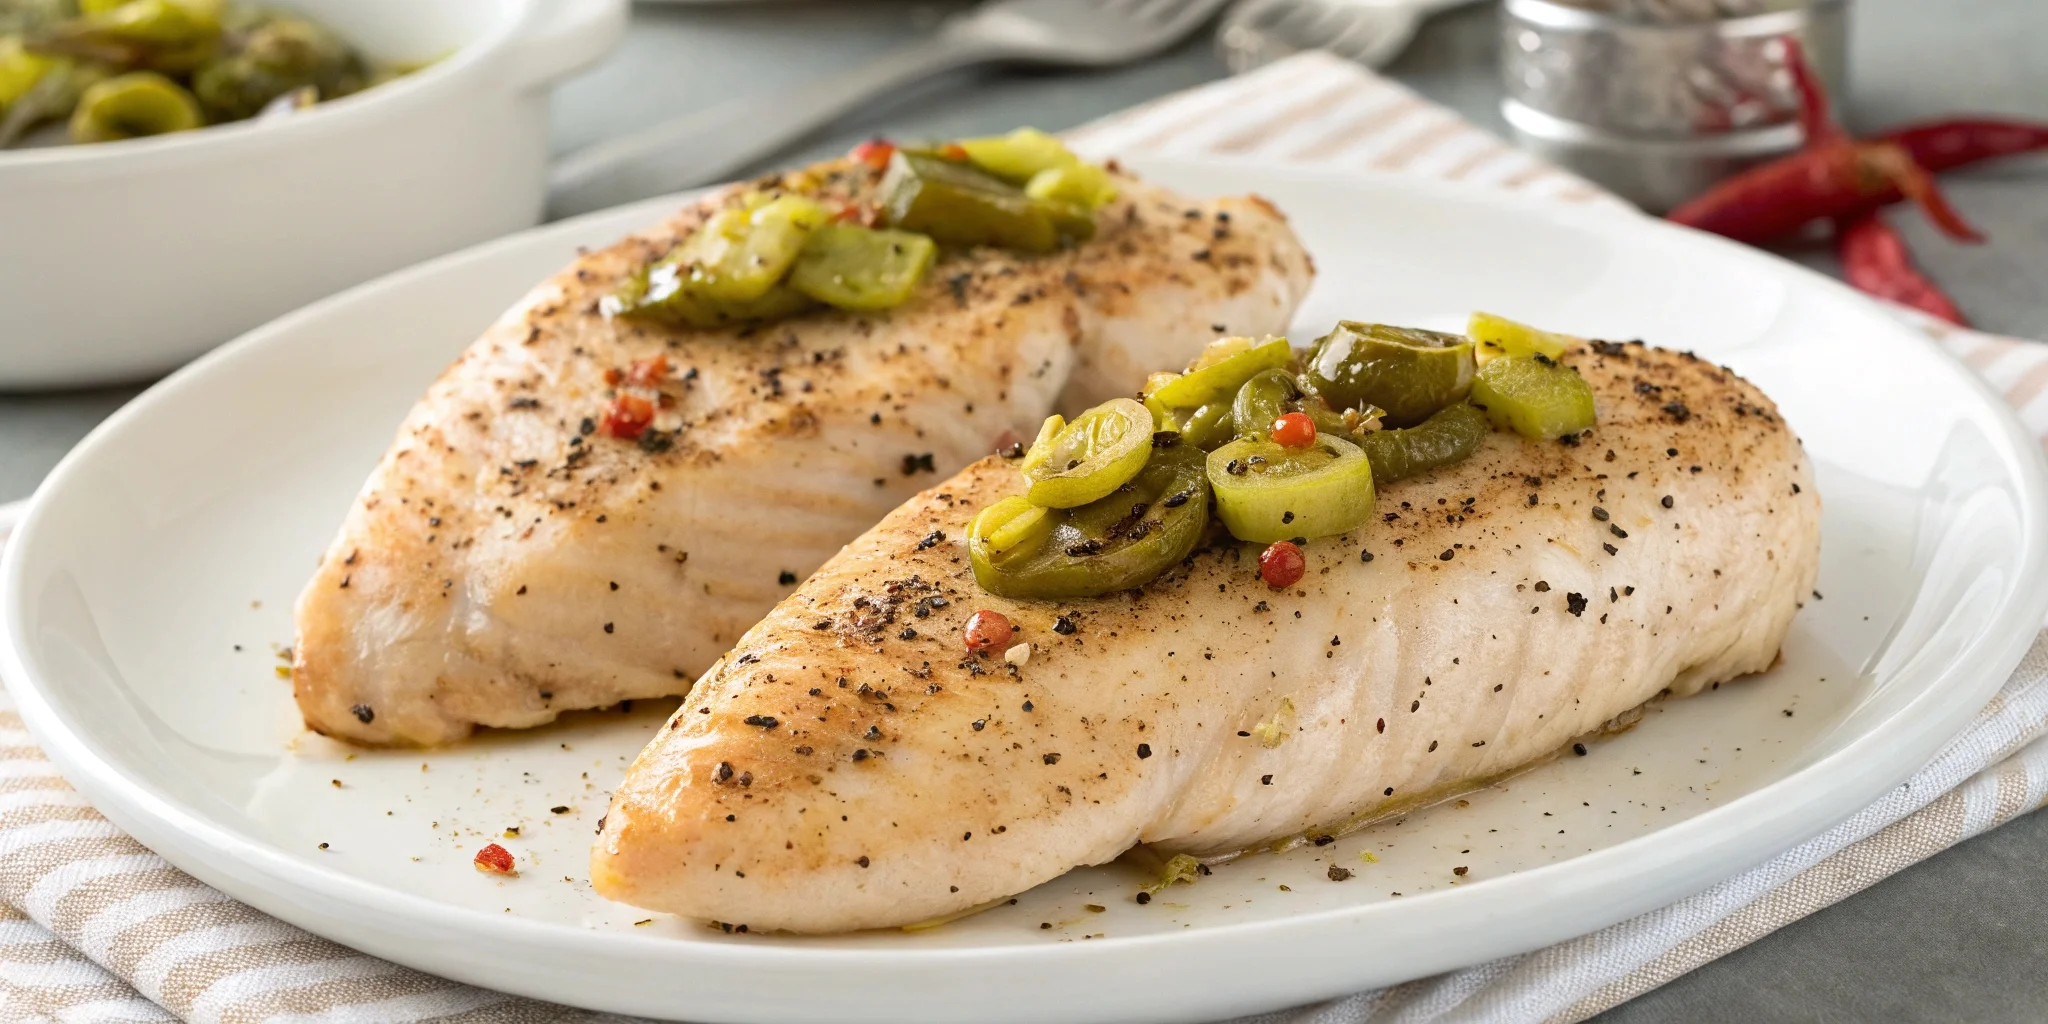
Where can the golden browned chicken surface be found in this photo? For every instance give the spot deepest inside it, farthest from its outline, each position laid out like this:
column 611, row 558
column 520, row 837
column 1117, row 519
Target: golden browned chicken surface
column 509, row 560
column 849, row 765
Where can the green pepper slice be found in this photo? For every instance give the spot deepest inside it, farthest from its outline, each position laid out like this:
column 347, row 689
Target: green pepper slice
column 1075, row 463
column 861, row 269
column 1123, row 540
column 20, row 69
column 1450, row 436
column 1534, row 396
column 957, row 204
column 1409, row 373
column 1018, row 156
column 1012, row 525
column 1084, row 185
column 134, row 105
column 1221, row 369
column 157, row 35
column 1266, row 492
column 1499, row 336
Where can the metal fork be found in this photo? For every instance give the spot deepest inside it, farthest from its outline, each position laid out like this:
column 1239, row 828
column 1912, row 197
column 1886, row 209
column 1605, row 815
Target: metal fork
column 715, row 143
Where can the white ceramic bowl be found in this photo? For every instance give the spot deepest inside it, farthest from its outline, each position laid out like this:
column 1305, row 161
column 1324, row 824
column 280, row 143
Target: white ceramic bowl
column 122, row 260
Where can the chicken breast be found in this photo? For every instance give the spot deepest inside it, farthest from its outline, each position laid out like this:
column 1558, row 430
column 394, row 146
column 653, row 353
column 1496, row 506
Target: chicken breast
column 507, row 561
column 848, row 766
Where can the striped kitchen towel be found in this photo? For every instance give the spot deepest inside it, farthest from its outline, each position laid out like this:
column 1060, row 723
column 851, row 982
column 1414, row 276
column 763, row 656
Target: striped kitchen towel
column 93, row 927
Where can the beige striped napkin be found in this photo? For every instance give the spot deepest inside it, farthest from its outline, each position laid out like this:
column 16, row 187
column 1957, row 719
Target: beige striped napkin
column 93, row 927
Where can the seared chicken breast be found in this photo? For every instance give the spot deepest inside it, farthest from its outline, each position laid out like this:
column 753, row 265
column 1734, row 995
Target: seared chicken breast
column 508, row 561
column 849, row 766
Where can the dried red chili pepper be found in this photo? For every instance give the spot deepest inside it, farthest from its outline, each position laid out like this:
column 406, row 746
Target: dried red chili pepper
column 1875, row 260
column 1833, row 177
column 1958, row 142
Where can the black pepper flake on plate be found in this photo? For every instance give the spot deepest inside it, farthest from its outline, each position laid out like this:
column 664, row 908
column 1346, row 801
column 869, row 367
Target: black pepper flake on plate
column 785, row 577
column 862, row 860
column 1611, row 549
column 1575, row 603
column 1064, row 626
column 1579, row 749
column 931, row 540
column 1144, row 750
column 1543, row 586
column 364, row 713
column 1447, row 555
column 764, row 721
column 1051, row 759
column 1144, row 898
column 1599, row 513
column 1338, row 874
column 1617, row 531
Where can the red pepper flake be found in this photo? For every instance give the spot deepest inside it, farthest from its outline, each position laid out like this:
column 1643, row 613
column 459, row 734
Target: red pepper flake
column 1294, row 430
column 649, row 372
column 1282, row 564
column 495, row 860
column 875, row 153
column 628, row 417
column 988, row 630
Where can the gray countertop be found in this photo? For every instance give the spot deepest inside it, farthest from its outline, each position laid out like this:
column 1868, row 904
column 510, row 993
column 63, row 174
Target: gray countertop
column 1959, row 937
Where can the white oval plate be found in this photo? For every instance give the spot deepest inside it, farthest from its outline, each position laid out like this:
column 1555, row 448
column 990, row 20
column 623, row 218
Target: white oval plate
column 154, row 577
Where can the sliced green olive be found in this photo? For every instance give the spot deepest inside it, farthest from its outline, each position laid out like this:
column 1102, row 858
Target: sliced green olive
column 861, row 269
column 1221, row 369
column 1266, row 492
column 1499, row 336
column 1082, row 461
column 1409, row 373
column 134, row 105
column 1534, row 396
column 1450, row 436
column 1084, row 185
column 957, row 204
column 1018, row 156
column 1120, row 541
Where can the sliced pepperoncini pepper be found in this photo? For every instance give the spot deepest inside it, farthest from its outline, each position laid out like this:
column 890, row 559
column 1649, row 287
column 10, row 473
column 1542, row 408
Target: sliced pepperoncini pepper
column 850, row 267
column 1409, row 373
column 1122, row 540
column 1534, row 396
column 957, row 204
column 1072, row 464
column 1495, row 336
column 1266, row 492
column 1450, row 436
column 1221, row 369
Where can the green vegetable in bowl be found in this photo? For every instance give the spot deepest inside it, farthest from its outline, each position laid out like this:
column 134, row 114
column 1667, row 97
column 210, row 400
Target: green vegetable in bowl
column 272, row 55
column 235, row 61
column 132, row 106
column 173, row 36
